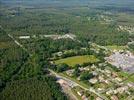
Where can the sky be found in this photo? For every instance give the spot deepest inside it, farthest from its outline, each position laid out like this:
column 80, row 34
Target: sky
column 125, row 3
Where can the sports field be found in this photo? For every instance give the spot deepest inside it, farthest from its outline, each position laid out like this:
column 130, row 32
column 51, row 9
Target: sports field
column 77, row 60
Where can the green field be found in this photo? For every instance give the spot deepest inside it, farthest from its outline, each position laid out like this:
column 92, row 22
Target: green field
column 125, row 19
column 115, row 47
column 4, row 45
column 77, row 60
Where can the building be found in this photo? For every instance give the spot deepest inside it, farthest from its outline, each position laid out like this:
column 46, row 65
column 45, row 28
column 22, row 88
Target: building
column 59, row 54
column 107, row 81
column 118, row 79
column 100, row 89
column 114, row 74
column 123, row 60
column 101, row 79
column 80, row 93
column 62, row 82
column 94, row 73
column 70, row 72
column 78, row 78
column 24, row 37
column 98, row 98
column 93, row 80
column 109, row 92
column 93, row 66
column 84, row 97
column 107, row 71
column 87, row 68
column 131, row 85
column 114, row 97
column 122, row 89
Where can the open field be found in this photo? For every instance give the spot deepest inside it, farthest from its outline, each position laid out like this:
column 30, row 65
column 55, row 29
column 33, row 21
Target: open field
column 115, row 47
column 77, row 60
column 4, row 45
column 125, row 19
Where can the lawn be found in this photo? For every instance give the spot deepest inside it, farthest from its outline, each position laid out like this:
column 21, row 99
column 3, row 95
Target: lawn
column 72, row 61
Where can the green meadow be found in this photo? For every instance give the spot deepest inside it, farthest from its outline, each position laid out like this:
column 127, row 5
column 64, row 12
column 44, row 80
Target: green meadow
column 72, row 61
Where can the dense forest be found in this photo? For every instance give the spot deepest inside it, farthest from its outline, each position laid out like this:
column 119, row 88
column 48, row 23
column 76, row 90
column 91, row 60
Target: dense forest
column 19, row 71
column 41, row 88
column 20, row 21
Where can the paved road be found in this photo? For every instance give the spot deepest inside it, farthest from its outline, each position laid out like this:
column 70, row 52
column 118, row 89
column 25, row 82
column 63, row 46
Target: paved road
column 87, row 89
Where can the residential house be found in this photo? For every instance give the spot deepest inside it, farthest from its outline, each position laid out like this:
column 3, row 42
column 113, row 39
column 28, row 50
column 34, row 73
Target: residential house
column 70, row 72
column 98, row 98
column 114, row 97
column 93, row 80
column 80, row 93
column 84, row 97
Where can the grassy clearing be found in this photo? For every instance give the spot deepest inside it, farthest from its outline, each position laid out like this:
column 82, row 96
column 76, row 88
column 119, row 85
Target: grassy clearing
column 125, row 19
column 130, row 79
column 123, row 74
column 115, row 47
column 4, row 45
column 72, row 61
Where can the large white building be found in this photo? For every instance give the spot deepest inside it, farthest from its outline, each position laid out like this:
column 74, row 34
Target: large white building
column 24, row 37
column 125, row 61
